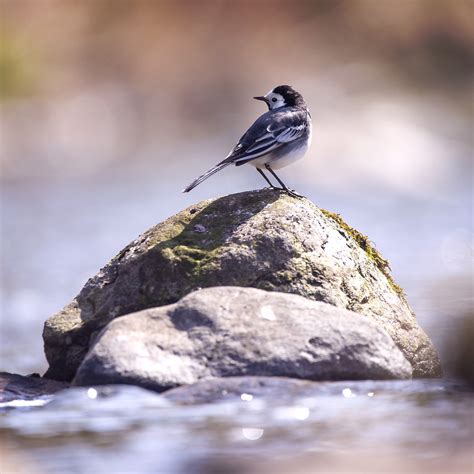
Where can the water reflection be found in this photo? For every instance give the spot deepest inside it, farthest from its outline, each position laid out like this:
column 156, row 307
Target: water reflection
column 347, row 393
column 246, row 397
column 252, row 434
column 92, row 393
column 291, row 413
column 126, row 429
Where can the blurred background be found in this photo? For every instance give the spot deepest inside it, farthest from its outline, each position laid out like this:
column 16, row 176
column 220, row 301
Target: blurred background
column 109, row 108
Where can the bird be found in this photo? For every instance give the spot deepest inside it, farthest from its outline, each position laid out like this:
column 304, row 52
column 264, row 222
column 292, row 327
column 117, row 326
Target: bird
column 276, row 139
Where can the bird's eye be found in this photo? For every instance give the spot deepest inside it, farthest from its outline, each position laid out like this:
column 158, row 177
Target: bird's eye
column 274, row 99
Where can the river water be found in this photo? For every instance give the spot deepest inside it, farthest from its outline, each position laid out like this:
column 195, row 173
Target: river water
column 399, row 426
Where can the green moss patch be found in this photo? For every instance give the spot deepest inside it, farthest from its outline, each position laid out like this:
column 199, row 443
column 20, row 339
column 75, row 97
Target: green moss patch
column 364, row 243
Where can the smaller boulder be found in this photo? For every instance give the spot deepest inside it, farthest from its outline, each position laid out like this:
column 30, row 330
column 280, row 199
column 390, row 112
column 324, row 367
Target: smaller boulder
column 244, row 388
column 233, row 331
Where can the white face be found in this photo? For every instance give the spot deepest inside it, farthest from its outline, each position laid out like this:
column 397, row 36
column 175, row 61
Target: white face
column 275, row 101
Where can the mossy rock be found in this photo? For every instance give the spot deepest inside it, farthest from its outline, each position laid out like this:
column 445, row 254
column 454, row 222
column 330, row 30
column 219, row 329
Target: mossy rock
column 263, row 239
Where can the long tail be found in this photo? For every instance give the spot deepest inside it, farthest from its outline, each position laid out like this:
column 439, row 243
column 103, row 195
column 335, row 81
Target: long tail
column 206, row 175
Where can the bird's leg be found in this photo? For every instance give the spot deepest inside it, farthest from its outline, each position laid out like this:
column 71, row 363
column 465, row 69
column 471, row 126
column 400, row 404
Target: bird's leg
column 288, row 191
column 266, row 179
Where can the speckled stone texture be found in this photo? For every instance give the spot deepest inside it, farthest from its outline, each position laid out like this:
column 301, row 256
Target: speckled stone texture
column 234, row 331
column 263, row 239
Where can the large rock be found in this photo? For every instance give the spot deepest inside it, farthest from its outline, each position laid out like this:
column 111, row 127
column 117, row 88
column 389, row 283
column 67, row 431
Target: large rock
column 232, row 331
column 263, row 239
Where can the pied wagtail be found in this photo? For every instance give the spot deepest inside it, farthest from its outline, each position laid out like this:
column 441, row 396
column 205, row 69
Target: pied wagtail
column 278, row 138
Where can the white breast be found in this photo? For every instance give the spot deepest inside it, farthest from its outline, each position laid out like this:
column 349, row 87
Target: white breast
column 279, row 159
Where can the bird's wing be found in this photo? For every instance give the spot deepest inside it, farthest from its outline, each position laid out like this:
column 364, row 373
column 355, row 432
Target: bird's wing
column 269, row 132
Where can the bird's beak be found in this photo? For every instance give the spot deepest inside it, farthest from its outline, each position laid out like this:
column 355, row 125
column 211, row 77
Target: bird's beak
column 261, row 97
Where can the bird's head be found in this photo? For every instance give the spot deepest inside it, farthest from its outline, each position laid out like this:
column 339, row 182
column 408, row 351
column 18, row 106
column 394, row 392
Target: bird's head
column 282, row 96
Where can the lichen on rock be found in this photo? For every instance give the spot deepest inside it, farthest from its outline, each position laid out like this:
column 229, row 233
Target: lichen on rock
column 263, row 239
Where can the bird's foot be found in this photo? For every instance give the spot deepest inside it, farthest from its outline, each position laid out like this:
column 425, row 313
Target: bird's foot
column 290, row 192
column 293, row 193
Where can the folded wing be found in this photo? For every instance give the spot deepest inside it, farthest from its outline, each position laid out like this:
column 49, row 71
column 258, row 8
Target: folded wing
column 264, row 137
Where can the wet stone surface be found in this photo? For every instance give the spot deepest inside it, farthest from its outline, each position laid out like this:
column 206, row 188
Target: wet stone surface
column 19, row 387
